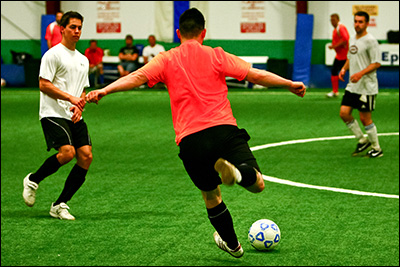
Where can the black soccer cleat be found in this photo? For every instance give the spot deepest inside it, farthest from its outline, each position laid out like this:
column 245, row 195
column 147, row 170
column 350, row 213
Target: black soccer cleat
column 360, row 148
column 373, row 153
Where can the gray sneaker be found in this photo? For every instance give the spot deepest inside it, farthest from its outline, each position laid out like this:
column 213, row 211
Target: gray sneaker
column 229, row 173
column 60, row 211
column 29, row 193
column 331, row 94
column 237, row 253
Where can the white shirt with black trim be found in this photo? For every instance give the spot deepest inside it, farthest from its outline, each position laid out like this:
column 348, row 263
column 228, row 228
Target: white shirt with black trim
column 363, row 52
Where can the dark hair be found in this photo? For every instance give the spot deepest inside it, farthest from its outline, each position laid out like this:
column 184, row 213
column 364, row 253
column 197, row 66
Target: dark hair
column 70, row 14
column 363, row 14
column 128, row 37
column 191, row 23
column 335, row 15
column 93, row 41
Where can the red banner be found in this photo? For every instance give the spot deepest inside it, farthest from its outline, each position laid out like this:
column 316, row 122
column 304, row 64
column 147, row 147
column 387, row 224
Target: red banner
column 108, row 27
column 252, row 27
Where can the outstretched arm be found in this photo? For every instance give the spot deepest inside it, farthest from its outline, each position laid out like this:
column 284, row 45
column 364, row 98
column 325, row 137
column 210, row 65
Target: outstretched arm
column 134, row 79
column 269, row 79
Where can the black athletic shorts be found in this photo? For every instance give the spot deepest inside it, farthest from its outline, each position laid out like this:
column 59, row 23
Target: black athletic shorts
column 59, row 132
column 363, row 103
column 337, row 66
column 200, row 151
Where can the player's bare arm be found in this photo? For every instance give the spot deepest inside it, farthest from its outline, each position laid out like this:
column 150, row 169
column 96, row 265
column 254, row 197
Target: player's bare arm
column 126, row 83
column 49, row 89
column 371, row 67
column 269, row 79
column 343, row 70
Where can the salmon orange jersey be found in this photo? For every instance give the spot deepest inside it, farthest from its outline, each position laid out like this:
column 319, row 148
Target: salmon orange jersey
column 195, row 77
column 340, row 33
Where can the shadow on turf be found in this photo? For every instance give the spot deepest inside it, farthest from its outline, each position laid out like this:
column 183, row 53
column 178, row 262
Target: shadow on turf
column 44, row 214
column 26, row 214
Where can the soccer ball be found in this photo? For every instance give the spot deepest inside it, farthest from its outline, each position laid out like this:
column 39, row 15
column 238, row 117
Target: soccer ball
column 3, row 82
column 264, row 234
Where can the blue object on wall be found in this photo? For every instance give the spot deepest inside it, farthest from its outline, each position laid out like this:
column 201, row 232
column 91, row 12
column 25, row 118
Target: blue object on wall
column 46, row 20
column 303, row 48
column 179, row 8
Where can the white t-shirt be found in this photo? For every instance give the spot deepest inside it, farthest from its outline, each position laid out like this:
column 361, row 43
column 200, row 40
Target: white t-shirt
column 68, row 71
column 151, row 52
column 362, row 53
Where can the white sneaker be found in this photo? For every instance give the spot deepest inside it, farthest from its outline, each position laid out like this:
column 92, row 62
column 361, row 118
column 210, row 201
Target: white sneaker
column 332, row 94
column 60, row 211
column 237, row 253
column 229, row 173
column 29, row 193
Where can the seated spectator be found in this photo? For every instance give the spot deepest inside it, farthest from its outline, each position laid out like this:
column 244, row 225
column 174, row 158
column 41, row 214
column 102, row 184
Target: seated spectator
column 95, row 57
column 129, row 56
column 152, row 49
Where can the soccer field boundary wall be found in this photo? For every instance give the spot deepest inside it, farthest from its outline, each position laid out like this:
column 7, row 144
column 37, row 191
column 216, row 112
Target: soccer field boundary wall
column 388, row 76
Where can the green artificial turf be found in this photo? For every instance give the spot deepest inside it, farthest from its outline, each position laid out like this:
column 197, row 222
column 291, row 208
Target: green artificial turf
column 139, row 207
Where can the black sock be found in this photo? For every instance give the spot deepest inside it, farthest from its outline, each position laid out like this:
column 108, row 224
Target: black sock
column 74, row 181
column 221, row 219
column 249, row 175
column 50, row 166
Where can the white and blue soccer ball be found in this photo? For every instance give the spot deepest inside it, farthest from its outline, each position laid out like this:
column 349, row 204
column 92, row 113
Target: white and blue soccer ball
column 264, row 234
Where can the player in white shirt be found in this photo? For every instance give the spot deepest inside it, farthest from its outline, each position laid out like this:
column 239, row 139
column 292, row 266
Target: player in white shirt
column 363, row 60
column 63, row 77
column 152, row 50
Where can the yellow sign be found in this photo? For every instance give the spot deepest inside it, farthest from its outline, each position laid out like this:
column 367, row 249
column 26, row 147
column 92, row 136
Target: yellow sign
column 372, row 10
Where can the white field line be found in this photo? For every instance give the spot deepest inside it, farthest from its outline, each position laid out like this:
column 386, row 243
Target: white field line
column 333, row 189
column 311, row 140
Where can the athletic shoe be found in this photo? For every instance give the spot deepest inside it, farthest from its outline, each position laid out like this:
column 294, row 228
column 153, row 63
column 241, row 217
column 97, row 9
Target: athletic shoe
column 229, row 173
column 237, row 253
column 29, row 193
column 332, row 94
column 61, row 211
column 373, row 153
column 360, row 148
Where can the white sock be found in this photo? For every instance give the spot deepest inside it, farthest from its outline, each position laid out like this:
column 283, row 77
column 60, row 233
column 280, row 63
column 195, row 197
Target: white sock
column 356, row 130
column 373, row 136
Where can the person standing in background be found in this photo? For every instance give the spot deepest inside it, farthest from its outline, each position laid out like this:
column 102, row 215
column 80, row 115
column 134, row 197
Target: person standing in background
column 340, row 42
column 363, row 60
column 53, row 31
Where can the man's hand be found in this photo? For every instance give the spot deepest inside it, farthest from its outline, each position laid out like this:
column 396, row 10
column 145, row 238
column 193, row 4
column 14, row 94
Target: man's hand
column 298, row 88
column 356, row 77
column 341, row 74
column 77, row 114
column 78, row 102
column 95, row 95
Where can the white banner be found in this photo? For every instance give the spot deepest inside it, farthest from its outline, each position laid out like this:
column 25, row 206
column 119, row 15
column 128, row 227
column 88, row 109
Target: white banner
column 108, row 17
column 389, row 52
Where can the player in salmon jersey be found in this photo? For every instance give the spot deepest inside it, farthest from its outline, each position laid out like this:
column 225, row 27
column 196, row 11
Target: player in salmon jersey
column 340, row 42
column 213, row 149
